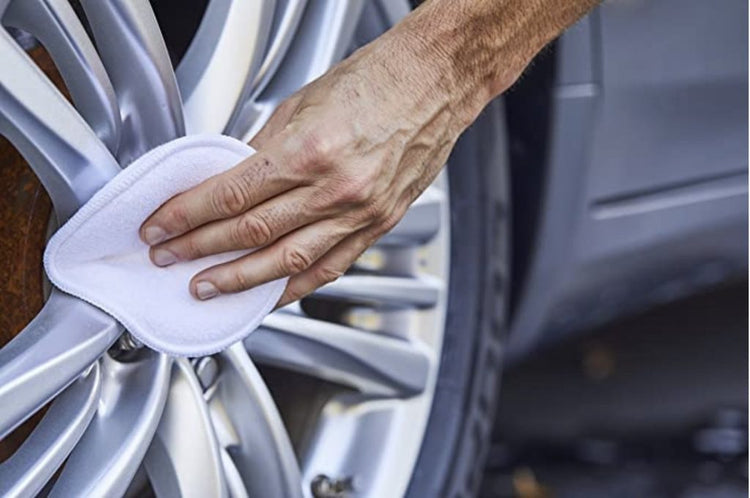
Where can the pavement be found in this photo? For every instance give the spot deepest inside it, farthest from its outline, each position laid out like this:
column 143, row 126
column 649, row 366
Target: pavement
column 653, row 405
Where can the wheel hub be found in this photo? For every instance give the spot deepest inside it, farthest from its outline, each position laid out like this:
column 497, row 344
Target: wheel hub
column 363, row 351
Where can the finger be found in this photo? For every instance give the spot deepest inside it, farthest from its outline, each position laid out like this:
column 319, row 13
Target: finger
column 257, row 227
column 252, row 181
column 336, row 261
column 328, row 268
column 288, row 256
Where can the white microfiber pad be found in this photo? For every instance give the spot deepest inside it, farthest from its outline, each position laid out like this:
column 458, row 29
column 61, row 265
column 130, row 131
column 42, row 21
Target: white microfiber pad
column 99, row 257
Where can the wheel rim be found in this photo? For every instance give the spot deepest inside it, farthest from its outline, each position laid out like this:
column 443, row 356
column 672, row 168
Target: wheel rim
column 120, row 415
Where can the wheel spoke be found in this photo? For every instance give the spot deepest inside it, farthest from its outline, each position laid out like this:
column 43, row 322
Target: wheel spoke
column 394, row 10
column 135, row 56
column 179, row 465
column 66, row 155
column 315, row 50
column 57, row 27
column 421, row 222
column 110, row 451
column 216, row 74
column 286, row 20
column 234, row 479
column 422, row 292
column 322, row 38
column 375, row 364
column 259, row 444
column 65, row 338
column 32, row 465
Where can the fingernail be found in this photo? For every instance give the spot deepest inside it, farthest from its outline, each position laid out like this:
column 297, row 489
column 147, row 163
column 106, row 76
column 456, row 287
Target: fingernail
column 153, row 235
column 206, row 290
column 162, row 257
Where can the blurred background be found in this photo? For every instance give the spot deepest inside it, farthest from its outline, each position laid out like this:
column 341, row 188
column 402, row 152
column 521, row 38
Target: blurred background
column 627, row 364
column 654, row 405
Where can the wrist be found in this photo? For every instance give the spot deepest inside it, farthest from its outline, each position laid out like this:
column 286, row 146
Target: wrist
column 425, row 60
column 456, row 63
column 479, row 48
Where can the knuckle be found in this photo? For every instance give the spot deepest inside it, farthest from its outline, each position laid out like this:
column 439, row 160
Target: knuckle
column 321, row 146
column 355, row 191
column 294, row 293
column 230, row 196
column 376, row 213
column 391, row 219
column 191, row 249
column 252, row 231
column 177, row 218
column 295, row 260
column 326, row 275
column 240, row 281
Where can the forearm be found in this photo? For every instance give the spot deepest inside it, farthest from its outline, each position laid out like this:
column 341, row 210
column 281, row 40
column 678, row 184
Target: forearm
column 475, row 49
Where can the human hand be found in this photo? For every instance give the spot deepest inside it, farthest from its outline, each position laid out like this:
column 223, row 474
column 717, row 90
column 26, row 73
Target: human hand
column 337, row 166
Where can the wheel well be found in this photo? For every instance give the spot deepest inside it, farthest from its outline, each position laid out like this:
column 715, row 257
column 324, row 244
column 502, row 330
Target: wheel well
column 528, row 114
column 178, row 30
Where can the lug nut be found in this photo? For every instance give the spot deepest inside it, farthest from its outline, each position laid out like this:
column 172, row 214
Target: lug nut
column 323, row 486
column 126, row 348
column 127, row 342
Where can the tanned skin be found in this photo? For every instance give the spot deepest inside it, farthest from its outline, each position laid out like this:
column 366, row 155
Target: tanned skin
column 341, row 160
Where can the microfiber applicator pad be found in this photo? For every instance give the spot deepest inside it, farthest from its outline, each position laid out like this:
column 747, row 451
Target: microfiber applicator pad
column 98, row 255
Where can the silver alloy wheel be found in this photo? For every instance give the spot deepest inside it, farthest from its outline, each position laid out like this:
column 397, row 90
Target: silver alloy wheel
column 120, row 415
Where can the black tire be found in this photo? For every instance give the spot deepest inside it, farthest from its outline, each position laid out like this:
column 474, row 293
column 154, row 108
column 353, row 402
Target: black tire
column 452, row 456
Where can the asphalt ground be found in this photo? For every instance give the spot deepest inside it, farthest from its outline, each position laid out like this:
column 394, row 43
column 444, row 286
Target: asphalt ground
column 654, row 405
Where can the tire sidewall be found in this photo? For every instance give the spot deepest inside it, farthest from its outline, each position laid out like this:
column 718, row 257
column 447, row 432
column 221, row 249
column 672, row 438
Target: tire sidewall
column 458, row 432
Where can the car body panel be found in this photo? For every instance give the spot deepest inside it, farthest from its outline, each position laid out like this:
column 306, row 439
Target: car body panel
column 645, row 193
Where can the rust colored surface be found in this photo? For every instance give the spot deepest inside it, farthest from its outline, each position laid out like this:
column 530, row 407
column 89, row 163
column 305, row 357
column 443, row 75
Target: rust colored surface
column 25, row 211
